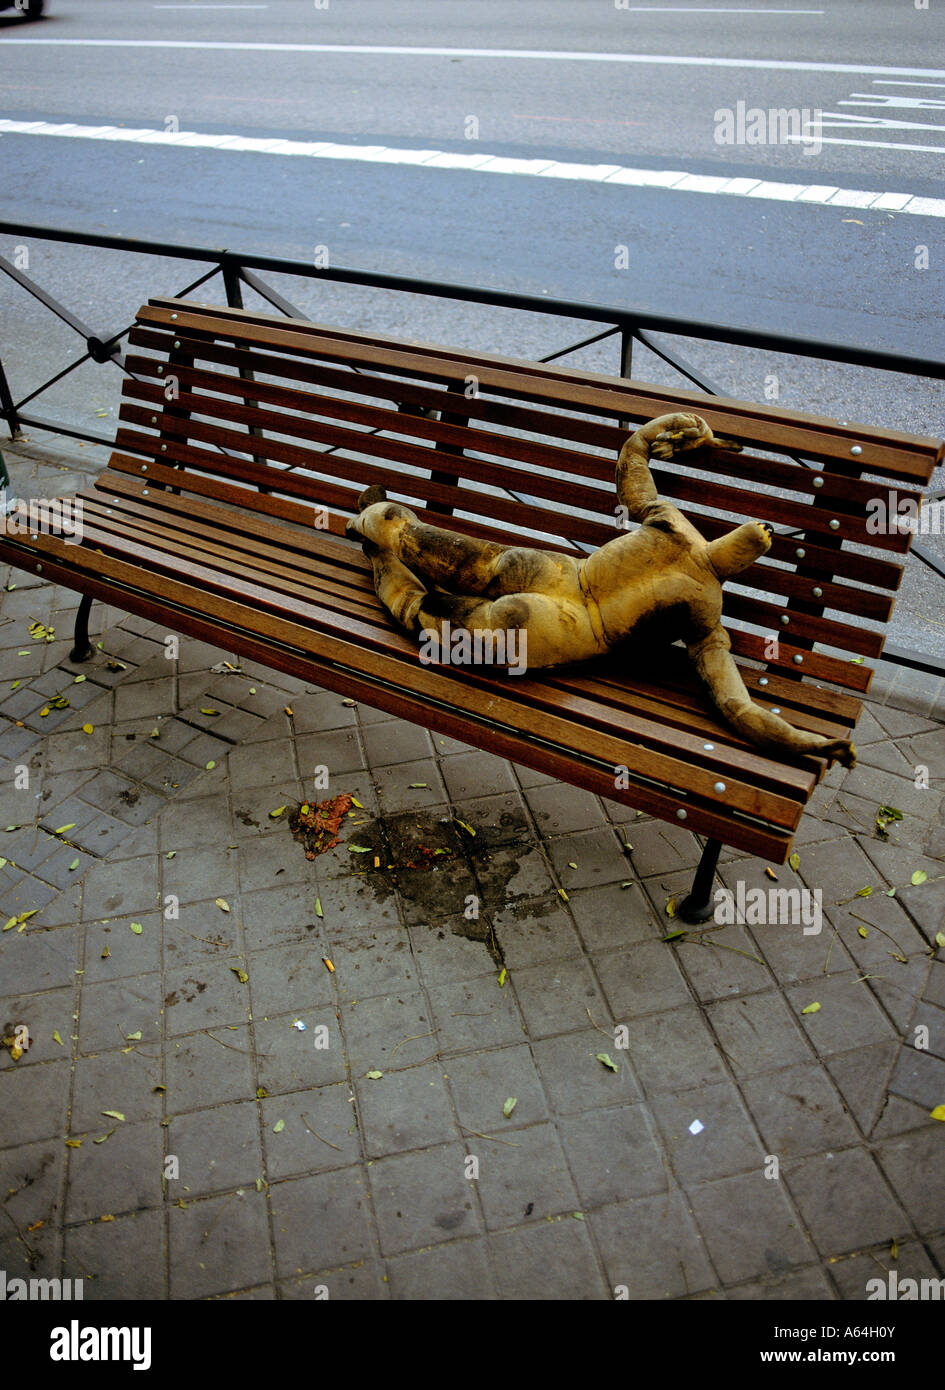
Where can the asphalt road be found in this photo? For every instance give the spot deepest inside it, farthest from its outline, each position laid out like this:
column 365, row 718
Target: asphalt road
column 581, row 82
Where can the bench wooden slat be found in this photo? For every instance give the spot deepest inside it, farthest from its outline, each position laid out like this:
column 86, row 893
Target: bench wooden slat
column 132, row 518
column 310, row 405
column 211, row 620
column 556, row 424
column 865, row 569
column 255, row 562
column 750, row 610
column 163, row 554
column 816, row 437
column 319, row 552
column 681, row 696
column 569, row 491
column 696, row 789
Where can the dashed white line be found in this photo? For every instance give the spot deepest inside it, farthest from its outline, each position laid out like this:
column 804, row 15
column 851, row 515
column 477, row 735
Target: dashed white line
column 519, row 54
column 676, row 180
column 866, row 144
column 700, row 9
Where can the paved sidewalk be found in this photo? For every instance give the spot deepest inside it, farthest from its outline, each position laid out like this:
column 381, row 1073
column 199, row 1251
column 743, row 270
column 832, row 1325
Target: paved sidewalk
column 178, row 946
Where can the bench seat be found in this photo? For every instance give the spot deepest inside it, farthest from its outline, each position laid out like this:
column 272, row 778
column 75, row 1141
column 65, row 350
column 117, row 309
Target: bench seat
column 244, row 443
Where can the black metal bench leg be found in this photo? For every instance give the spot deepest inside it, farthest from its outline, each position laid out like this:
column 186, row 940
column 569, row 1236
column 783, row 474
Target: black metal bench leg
column 699, row 905
column 83, row 648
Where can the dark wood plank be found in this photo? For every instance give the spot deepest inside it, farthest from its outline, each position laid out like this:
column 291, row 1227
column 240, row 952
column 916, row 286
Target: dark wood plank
column 816, row 437
column 324, row 647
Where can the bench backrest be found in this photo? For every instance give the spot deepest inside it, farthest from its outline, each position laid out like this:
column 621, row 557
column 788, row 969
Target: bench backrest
column 292, row 418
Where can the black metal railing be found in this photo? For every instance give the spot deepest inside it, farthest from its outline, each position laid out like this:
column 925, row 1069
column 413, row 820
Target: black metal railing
column 238, row 269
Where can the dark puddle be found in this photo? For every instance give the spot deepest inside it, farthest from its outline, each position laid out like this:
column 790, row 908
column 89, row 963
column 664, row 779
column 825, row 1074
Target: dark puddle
column 441, row 868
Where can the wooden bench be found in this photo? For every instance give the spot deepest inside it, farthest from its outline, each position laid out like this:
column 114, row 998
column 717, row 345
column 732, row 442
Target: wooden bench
column 244, row 443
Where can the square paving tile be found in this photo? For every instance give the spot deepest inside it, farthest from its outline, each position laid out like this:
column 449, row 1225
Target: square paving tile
column 219, row 1244
column 478, row 1013
column 320, row 1221
column 553, row 1262
column 614, row 1155
column 575, row 1080
column 674, row 1049
column 844, row 1202
column 726, row 1143
column 460, row 1271
column 319, row 1131
column 758, row 1033
column 749, row 1227
column 120, row 1176
column 290, row 1060
column 216, row 1149
column 204, row 1069
column 556, row 997
column 111, row 1010
column 483, row 1082
column 798, row 1111
column 122, row 1260
column 634, row 1238
column 424, row 1198
column 405, row 1110
column 645, row 979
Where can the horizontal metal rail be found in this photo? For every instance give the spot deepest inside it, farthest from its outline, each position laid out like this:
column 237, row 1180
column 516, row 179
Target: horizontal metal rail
column 633, row 325
column 536, row 304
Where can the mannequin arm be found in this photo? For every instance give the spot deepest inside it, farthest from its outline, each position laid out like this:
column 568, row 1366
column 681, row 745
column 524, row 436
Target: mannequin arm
column 713, row 660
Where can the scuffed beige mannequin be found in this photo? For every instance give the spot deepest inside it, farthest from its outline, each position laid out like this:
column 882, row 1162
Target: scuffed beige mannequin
column 662, row 581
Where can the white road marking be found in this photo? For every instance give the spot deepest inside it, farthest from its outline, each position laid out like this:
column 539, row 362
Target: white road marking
column 522, row 54
column 677, row 180
column 889, row 100
column 894, row 82
column 868, row 145
column 699, row 9
column 830, row 120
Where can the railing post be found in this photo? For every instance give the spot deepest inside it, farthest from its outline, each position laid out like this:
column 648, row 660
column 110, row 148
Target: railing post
column 626, row 351
column 231, row 281
column 7, row 408
column 234, row 298
column 626, row 362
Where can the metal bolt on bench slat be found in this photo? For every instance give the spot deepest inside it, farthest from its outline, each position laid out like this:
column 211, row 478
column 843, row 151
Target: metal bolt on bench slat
column 818, row 482
column 776, row 710
column 719, row 787
column 763, row 681
column 680, row 814
column 709, row 747
column 856, row 450
column 785, row 619
column 798, row 660
column 817, row 592
column 834, row 525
